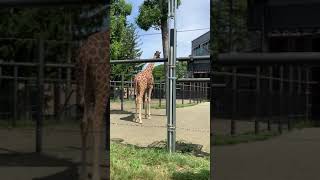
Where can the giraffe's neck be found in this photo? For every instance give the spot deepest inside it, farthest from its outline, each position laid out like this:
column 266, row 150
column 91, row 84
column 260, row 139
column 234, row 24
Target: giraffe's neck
column 149, row 68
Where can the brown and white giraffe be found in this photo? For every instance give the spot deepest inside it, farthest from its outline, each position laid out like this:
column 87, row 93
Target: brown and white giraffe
column 93, row 73
column 143, row 84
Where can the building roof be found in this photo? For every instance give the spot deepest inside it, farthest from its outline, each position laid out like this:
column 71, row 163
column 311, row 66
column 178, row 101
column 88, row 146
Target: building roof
column 201, row 36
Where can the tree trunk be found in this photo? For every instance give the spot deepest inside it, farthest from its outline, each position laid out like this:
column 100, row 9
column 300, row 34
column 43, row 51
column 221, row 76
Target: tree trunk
column 165, row 47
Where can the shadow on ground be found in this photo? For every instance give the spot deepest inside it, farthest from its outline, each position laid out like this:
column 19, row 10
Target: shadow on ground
column 113, row 111
column 15, row 159
column 181, row 147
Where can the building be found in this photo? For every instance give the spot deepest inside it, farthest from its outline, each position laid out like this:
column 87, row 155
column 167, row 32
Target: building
column 200, row 47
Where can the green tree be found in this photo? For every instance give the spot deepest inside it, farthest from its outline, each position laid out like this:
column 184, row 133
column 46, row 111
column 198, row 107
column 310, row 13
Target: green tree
column 226, row 14
column 154, row 14
column 159, row 73
column 124, row 40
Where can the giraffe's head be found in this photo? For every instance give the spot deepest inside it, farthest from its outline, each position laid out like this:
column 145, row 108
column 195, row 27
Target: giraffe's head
column 157, row 54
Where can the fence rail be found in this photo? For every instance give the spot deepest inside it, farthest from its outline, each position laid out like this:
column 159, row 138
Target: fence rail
column 269, row 89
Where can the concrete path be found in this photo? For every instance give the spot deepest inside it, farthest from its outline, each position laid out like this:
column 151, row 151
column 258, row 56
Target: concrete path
column 292, row 156
column 193, row 125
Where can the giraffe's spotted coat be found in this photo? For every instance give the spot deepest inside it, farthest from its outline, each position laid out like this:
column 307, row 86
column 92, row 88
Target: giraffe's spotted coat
column 143, row 84
column 92, row 74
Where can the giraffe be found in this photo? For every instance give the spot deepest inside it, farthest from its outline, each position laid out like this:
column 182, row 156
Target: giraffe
column 93, row 75
column 143, row 84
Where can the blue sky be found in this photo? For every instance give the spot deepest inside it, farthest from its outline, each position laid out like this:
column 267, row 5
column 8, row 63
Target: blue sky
column 192, row 14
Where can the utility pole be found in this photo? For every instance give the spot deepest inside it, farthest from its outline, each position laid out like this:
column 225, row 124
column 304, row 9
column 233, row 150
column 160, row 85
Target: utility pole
column 171, row 114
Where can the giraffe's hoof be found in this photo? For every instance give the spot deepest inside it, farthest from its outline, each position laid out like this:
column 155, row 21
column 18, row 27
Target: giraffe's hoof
column 140, row 122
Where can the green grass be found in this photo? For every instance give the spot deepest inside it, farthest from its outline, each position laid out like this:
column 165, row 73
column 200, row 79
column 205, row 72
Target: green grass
column 243, row 138
column 304, row 124
column 163, row 106
column 130, row 162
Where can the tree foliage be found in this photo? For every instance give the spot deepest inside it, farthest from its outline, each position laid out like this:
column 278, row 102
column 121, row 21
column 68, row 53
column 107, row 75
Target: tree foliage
column 181, row 71
column 151, row 13
column 124, row 40
column 222, row 17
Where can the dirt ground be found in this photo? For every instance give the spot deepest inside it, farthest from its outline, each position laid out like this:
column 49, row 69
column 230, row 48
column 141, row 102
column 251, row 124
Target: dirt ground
column 193, row 125
column 59, row 160
column 291, row 156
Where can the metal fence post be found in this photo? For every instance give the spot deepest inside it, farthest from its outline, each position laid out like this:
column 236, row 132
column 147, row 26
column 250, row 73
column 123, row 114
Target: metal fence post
column 281, row 100
column 171, row 128
column 290, row 100
column 307, row 94
column 270, row 97
column 190, row 93
column 15, row 96
column 258, row 104
column 182, row 93
column 234, row 101
column 160, row 92
column 299, row 91
column 121, row 91
column 39, row 121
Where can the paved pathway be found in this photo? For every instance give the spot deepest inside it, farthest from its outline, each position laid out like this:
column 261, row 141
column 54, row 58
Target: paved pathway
column 192, row 125
column 292, row 156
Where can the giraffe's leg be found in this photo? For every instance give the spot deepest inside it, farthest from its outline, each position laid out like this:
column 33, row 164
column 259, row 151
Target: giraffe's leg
column 149, row 103
column 84, row 137
column 97, row 141
column 84, row 123
column 137, row 103
column 146, row 105
column 140, row 108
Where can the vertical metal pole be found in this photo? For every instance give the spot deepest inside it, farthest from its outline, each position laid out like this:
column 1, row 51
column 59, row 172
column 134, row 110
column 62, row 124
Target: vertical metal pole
column 40, row 97
column 0, row 74
column 172, row 78
column 234, row 101
column 281, row 100
column 290, row 103
column 121, row 91
column 256, row 120
column 182, row 92
column 128, row 97
column 307, row 94
column 160, row 93
column 299, row 91
column 270, row 97
column 15, row 96
column 190, row 93
column 68, row 85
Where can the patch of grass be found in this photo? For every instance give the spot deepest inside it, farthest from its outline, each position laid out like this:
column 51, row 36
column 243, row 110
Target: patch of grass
column 304, row 124
column 163, row 106
column 130, row 162
column 243, row 138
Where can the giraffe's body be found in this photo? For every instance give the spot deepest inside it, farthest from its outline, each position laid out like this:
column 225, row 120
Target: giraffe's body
column 143, row 84
column 93, row 73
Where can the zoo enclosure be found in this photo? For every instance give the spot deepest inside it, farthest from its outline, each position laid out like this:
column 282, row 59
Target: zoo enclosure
column 273, row 89
column 46, row 81
column 188, row 91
